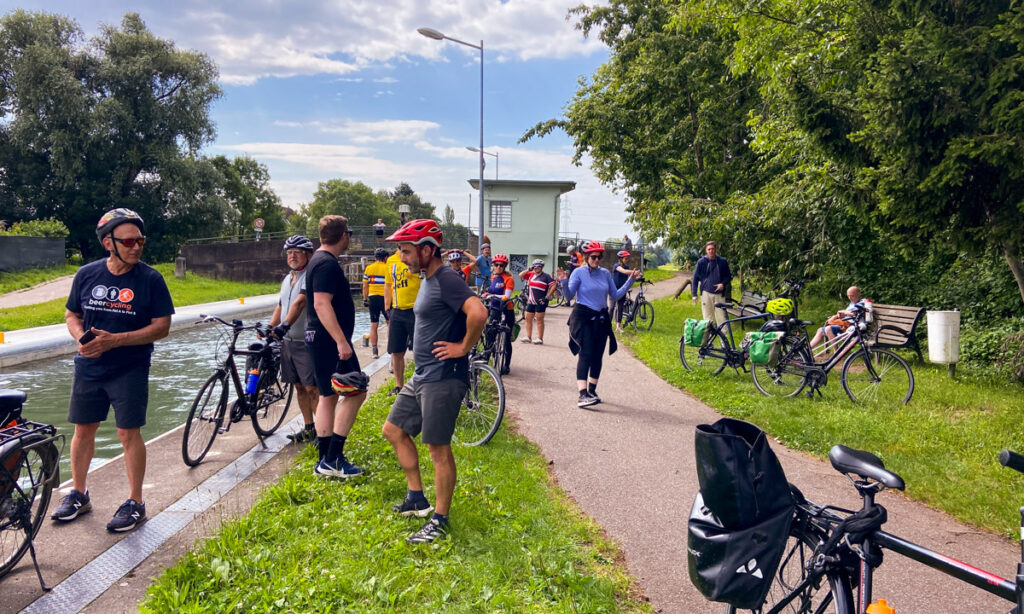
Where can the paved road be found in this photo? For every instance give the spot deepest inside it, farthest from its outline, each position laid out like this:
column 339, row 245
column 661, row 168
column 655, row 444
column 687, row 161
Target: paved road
column 39, row 293
column 630, row 466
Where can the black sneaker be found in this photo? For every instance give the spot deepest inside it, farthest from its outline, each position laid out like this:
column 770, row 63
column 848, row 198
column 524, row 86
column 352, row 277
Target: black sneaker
column 303, row 436
column 73, row 505
column 420, row 508
column 594, row 396
column 127, row 517
column 431, row 532
column 586, row 400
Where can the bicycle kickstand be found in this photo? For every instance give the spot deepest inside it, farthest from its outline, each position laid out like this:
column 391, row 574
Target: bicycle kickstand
column 26, row 522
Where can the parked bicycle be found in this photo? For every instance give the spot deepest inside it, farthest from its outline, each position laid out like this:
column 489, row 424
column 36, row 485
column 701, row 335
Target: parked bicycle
column 499, row 333
column 483, row 406
column 833, row 553
column 29, row 471
column 638, row 312
column 263, row 398
column 869, row 374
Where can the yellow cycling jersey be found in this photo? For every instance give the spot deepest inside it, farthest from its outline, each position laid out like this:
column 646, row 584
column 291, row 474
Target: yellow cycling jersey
column 374, row 276
column 405, row 285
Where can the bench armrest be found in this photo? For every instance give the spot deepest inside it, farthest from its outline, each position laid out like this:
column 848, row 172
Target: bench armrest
column 890, row 327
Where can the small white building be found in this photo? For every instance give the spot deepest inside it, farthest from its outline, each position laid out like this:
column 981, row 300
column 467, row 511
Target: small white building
column 521, row 219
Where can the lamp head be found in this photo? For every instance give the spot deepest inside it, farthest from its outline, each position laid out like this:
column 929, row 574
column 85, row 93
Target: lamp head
column 431, row 33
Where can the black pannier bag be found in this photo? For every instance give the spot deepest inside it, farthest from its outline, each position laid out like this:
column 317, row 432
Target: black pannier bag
column 741, row 517
column 735, row 566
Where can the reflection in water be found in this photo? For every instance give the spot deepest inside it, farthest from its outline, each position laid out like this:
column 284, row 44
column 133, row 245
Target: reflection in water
column 181, row 363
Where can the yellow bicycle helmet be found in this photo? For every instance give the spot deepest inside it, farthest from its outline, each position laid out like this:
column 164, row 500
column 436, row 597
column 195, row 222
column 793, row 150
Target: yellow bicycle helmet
column 780, row 306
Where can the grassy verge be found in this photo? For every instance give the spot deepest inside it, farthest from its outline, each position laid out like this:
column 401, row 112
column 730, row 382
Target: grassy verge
column 19, row 280
column 656, row 275
column 944, row 443
column 192, row 290
column 315, row 545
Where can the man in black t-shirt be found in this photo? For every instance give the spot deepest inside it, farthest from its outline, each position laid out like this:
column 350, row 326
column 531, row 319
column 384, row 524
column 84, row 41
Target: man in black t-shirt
column 330, row 320
column 117, row 308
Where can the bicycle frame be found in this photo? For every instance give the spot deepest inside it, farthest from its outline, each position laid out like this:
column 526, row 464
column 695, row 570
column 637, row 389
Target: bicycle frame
column 230, row 368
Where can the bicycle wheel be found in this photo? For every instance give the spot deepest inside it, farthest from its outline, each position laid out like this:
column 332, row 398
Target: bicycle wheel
column 643, row 315
column 482, row 407
column 498, row 351
column 27, row 483
column 272, row 400
column 889, row 380
column 835, row 595
column 788, row 377
column 204, row 419
column 708, row 358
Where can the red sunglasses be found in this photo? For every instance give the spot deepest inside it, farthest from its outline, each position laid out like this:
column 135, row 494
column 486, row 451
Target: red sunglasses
column 130, row 243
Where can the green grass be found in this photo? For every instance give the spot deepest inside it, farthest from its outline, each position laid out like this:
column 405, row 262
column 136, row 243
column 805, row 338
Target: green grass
column 316, row 545
column 656, row 275
column 192, row 290
column 944, row 443
column 19, row 280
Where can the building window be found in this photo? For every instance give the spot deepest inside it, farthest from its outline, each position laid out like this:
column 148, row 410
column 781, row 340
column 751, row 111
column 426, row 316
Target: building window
column 501, row 214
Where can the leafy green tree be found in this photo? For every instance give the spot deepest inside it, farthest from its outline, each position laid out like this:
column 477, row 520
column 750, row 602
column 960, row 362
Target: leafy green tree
column 84, row 128
column 246, row 188
column 404, row 195
column 356, row 201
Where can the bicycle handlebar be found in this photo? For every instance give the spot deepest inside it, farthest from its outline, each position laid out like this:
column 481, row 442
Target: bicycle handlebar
column 1008, row 458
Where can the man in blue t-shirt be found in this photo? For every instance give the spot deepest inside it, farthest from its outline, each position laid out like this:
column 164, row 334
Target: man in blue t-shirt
column 483, row 265
column 117, row 308
column 711, row 280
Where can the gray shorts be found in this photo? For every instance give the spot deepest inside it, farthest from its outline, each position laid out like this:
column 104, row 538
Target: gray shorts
column 128, row 392
column 429, row 407
column 297, row 364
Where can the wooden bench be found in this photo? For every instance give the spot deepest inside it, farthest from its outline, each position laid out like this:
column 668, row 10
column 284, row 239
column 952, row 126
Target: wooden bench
column 750, row 303
column 895, row 326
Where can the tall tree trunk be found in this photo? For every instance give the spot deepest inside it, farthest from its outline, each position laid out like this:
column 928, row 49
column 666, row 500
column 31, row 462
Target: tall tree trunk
column 1016, row 266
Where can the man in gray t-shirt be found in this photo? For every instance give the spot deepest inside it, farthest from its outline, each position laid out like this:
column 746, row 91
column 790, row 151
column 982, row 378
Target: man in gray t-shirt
column 449, row 320
column 289, row 320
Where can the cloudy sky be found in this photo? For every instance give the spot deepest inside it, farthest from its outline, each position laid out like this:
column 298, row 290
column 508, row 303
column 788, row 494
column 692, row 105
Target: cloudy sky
column 348, row 89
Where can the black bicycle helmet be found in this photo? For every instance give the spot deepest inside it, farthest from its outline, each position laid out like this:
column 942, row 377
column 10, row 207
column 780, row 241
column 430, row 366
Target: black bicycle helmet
column 380, row 253
column 114, row 218
column 350, row 384
column 299, row 242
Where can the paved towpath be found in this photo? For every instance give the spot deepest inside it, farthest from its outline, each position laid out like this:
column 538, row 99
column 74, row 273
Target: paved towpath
column 39, row 293
column 630, row 466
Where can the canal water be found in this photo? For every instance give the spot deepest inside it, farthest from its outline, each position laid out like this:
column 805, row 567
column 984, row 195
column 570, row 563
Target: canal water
column 181, row 363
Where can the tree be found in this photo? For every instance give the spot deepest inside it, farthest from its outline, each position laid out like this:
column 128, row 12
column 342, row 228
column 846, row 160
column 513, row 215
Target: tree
column 89, row 127
column 356, row 201
column 404, row 195
column 246, row 188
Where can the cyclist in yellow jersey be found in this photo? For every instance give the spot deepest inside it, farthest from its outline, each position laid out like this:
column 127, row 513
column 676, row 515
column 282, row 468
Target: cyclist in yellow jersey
column 401, row 288
column 373, row 293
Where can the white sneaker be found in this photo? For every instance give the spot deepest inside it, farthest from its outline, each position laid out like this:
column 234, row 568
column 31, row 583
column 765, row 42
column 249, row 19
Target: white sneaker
column 538, row 341
column 525, row 340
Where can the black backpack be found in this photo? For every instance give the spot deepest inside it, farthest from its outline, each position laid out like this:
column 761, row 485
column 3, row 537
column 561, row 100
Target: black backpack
column 740, row 519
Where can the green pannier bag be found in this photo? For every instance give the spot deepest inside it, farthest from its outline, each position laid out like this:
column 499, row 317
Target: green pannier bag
column 764, row 347
column 696, row 332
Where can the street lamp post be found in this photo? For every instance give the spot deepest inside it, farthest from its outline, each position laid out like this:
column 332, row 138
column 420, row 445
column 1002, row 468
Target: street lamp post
column 487, row 153
column 434, row 34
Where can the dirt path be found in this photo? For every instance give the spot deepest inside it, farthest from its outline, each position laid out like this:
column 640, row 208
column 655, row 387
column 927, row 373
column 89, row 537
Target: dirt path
column 630, row 466
column 39, row 293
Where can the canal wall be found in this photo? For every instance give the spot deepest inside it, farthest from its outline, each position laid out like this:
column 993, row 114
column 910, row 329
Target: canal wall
column 28, row 344
column 256, row 261
column 20, row 253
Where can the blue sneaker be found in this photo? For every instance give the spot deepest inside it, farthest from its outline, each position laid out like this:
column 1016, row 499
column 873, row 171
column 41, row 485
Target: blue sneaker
column 420, row 508
column 127, row 517
column 339, row 469
column 73, row 505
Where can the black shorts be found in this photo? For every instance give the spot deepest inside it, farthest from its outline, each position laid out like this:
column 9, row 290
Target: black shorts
column 128, row 392
column 377, row 309
column 541, row 308
column 296, row 364
column 429, row 407
column 326, row 363
column 400, row 329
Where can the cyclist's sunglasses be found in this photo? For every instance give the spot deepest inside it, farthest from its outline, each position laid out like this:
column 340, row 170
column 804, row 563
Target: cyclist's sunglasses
column 594, row 257
column 130, row 243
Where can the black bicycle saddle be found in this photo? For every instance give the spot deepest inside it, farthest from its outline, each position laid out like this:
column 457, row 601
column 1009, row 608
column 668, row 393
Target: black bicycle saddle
column 863, row 464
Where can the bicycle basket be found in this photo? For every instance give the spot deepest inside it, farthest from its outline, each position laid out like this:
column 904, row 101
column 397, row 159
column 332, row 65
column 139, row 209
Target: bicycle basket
column 734, row 566
column 696, row 332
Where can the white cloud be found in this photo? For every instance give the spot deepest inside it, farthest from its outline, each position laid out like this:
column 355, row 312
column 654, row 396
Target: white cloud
column 381, row 131
column 386, row 80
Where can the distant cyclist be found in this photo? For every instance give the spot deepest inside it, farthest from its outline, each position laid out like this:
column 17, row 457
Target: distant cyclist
column 499, row 293
column 289, row 320
column 590, row 325
column 539, row 287
column 373, row 293
column 483, row 265
column 619, row 274
column 401, row 289
column 571, row 265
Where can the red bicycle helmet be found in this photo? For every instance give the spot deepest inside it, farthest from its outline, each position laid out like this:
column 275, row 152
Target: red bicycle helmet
column 592, row 246
column 623, row 254
column 500, row 259
column 418, row 232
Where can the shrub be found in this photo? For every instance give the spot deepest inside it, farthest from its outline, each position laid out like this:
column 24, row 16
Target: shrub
column 49, row 227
